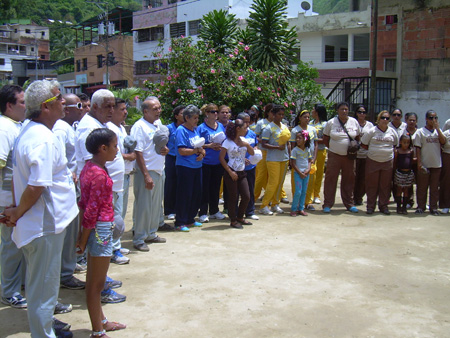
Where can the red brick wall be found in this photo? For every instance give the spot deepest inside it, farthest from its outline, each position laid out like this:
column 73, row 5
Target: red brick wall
column 387, row 42
column 426, row 34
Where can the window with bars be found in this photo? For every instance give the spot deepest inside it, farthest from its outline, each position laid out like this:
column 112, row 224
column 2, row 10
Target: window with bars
column 177, row 29
column 151, row 34
column 78, row 65
column 100, row 61
column 85, row 64
column 194, row 27
column 149, row 67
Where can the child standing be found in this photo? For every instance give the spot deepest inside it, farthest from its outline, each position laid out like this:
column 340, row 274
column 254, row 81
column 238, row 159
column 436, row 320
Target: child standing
column 404, row 175
column 300, row 161
column 97, row 217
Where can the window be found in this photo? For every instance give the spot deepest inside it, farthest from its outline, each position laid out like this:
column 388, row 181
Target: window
column 194, row 27
column 42, row 34
column 391, row 19
column 149, row 67
column 361, row 49
column 78, row 65
column 43, row 57
column 28, row 31
column 336, row 48
column 151, row 34
column 99, row 61
column 85, row 64
column 390, row 65
column 32, row 49
column 153, row 3
column 172, row 2
column 177, row 29
column 2, row 62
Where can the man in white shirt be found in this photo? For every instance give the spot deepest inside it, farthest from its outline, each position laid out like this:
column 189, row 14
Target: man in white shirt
column 46, row 202
column 12, row 106
column 149, row 178
column 428, row 141
column 64, row 131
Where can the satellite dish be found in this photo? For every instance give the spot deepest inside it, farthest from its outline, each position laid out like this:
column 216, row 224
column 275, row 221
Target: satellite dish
column 305, row 5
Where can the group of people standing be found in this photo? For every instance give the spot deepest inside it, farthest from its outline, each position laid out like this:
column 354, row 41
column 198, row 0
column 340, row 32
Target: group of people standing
column 66, row 171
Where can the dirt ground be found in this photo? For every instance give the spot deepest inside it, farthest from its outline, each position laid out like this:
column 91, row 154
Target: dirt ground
column 337, row 275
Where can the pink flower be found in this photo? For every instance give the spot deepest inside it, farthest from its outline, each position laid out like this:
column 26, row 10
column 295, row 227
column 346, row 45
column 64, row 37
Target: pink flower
column 240, row 78
column 241, row 43
column 213, row 70
column 273, row 90
column 162, row 83
column 246, row 48
column 232, row 85
column 136, row 98
column 157, row 89
column 200, row 88
column 170, row 49
column 202, row 96
column 292, row 104
column 169, row 78
column 182, row 36
column 259, row 89
column 231, row 56
column 236, row 52
column 278, row 94
column 251, row 69
column 174, row 102
column 295, row 90
column 178, row 90
column 159, row 55
column 286, row 104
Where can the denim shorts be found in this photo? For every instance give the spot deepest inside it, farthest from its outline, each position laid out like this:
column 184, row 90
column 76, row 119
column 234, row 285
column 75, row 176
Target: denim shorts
column 104, row 231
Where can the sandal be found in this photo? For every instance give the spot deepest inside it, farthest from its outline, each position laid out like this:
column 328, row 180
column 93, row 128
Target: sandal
column 112, row 326
column 236, row 225
column 101, row 333
column 244, row 222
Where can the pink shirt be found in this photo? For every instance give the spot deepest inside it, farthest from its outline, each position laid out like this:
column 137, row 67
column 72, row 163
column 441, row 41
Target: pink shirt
column 96, row 195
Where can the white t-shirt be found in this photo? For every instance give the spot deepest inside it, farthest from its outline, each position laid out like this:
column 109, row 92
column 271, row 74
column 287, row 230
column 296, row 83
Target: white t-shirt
column 9, row 130
column 446, row 146
column 116, row 168
column 129, row 165
column 301, row 158
column 339, row 140
column 362, row 153
column 236, row 155
column 86, row 125
column 446, row 125
column 143, row 132
column 66, row 134
column 400, row 130
column 381, row 143
column 39, row 160
column 430, row 152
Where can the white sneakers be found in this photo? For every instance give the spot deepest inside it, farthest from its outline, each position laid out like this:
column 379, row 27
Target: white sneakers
column 203, row 219
column 277, row 209
column 445, row 210
column 217, row 215
column 171, row 217
column 254, row 217
column 317, row 200
column 265, row 211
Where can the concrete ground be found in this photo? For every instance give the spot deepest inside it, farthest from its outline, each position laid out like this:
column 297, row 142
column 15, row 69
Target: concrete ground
column 336, row 275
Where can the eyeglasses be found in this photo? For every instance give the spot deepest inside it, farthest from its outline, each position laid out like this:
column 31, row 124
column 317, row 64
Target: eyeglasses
column 57, row 97
column 384, row 118
column 79, row 105
column 396, row 114
column 432, row 118
column 361, row 112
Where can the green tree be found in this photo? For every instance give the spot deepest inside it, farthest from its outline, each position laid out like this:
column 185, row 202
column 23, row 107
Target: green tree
column 219, row 29
column 273, row 44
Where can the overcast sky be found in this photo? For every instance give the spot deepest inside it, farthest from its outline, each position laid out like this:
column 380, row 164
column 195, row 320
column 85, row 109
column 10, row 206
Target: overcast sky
column 241, row 8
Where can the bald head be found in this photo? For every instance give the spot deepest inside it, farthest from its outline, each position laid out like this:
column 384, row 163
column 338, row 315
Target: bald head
column 151, row 109
column 73, row 109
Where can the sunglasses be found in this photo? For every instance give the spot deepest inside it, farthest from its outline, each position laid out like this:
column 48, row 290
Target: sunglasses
column 385, row 118
column 213, row 111
column 361, row 112
column 432, row 118
column 57, row 97
column 396, row 114
column 79, row 105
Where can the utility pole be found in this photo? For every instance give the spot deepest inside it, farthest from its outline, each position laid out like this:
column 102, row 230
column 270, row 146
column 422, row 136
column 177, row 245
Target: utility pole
column 373, row 78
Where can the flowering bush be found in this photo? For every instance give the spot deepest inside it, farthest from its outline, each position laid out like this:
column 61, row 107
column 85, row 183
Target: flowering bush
column 197, row 74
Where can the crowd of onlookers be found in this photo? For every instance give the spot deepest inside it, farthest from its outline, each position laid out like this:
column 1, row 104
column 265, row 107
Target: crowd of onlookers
column 67, row 161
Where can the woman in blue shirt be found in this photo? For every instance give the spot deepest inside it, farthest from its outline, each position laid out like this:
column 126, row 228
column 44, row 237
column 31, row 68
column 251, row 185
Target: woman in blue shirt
column 189, row 160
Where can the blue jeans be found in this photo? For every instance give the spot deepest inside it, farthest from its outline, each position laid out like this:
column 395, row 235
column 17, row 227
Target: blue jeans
column 104, row 232
column 301, row 185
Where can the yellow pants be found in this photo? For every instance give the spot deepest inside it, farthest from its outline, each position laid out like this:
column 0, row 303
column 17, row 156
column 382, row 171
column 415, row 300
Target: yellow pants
column 276, row 174
column 315, row 180
column 261, row 175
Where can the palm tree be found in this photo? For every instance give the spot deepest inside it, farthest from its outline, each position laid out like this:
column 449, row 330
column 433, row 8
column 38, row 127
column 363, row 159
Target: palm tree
column 219, row 29
column 273, row 44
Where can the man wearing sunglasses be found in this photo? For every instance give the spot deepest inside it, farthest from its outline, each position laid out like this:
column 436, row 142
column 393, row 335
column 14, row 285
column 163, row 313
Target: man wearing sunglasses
column 64, row 130
column 428, row 141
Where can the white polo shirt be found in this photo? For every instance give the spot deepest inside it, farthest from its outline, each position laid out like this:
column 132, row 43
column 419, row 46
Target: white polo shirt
column 381, row 144
column 400, row 130
column 430, row 148
column 143, row 132
column 9, row 130
column 339, row 140
column 116, row 168
column 84, row 128
column 66, row 134
column 39, row 160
